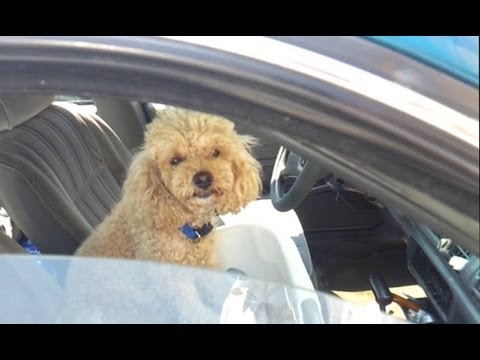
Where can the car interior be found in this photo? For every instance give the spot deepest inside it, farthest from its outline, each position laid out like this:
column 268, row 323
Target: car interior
column 63, row 160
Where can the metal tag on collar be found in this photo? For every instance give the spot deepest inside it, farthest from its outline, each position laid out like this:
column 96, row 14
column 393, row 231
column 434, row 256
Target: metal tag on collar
column 197, row 239
column 192, row 234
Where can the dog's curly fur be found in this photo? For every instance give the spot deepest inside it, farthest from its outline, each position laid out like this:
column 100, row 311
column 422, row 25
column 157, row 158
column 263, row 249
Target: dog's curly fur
column 159, row 195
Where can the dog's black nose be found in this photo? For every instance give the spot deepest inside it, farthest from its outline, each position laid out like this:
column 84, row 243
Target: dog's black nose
column 203, row 179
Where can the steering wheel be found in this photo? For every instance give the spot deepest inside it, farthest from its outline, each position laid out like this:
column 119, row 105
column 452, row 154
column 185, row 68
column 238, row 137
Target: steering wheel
column 289, row 165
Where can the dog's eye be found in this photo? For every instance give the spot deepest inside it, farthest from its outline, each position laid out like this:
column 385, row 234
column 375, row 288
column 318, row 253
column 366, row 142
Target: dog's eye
column 176, row 161
column 216, row 153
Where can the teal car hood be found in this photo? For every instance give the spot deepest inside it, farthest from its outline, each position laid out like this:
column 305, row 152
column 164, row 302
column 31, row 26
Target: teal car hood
column 455, row 55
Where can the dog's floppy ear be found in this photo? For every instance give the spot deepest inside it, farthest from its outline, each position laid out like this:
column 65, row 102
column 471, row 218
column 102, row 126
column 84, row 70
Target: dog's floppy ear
column 247, row 173
column 146, row 192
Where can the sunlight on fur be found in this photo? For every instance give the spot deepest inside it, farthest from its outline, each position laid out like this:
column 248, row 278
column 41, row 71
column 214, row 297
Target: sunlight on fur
column 193, row 167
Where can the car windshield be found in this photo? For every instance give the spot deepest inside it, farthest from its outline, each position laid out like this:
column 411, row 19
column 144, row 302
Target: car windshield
column 52, row 289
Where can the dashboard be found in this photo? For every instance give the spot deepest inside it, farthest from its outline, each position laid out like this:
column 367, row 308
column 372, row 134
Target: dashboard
column 448, row 273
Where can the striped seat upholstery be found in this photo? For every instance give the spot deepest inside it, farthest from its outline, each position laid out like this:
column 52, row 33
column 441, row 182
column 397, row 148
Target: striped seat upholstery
column 61, row 171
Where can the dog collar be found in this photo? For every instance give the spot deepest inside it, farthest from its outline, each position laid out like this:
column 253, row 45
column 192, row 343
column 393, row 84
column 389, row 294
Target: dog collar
column 195, row 234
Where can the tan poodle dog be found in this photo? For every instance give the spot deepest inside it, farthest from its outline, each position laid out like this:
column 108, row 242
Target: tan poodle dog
column 193, row 167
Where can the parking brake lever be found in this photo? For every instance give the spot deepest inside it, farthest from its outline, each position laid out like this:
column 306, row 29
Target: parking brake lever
column 384, row 297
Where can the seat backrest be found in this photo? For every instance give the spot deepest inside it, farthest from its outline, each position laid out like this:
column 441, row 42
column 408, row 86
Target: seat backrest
column 61, row 170
column 127, row 119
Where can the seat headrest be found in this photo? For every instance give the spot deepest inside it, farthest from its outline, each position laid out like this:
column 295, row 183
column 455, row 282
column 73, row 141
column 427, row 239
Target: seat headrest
column 18, row 108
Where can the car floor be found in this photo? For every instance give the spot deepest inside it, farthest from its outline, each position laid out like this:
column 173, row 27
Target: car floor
column 344, row 260
column 340, row 268
column 367, row 297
